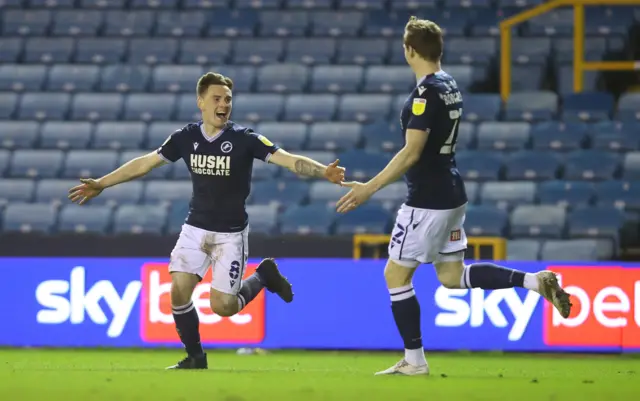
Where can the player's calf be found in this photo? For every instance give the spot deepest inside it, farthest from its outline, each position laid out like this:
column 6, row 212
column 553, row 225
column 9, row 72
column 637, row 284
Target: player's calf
column 187, row 321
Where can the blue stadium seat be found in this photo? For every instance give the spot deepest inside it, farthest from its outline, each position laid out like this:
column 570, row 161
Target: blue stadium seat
column 587, row 106
column 564, row 75
column 339, row 24
column 558, row 22
column 152, row 51
column 505, row 195
column 566, row 193
column 135, row 219
column 8, row 105
column 309, row 5
column 466, row 136
column 26, row 22
column 466, row 75
column 5, row 157
column 44, row 106
column 19, row 77
column 244, row 76
column 327, row 193
column 544, row 221
column 160, row 173
column 177, row 213
column 528, row 78
column 484, row 19
column 77, row 22
column 264, row 171
column 388, row 79
column 36, row 163
column 187, row 108
column 531, row 50
column 524, row 249
column 631, row 166
column 154, row 4
column 232, row 23
column 149, row 107
column 283, row 23
column 97, row 106
column 503, row 136
column 282, row 78
column 20, row 190
column 100, row 50
column 620, row 194
column 165, row 192
column 310, row 51
column 594, row 49
column 119, row 135
column 362, row 51
column 629, row 107
column 477, row 51
column 87, row 163
column 25, row 217
column 290, row 136
column 10, row 49
column 334, row 136
column 559, row 136
column 482, row 107
column 485, row 221
column 531, row 106
column 596, row 222
column 51, row 4
column 324, row 157
column 312, row 219
column 122, row 194
column 73, row 78
column 66, row 135
column 257, row 107
column 391, row 196
column 181, row 24
column 262, row 218
column 102, row 4
column 48, row 50
column 591, row 165
column 180, row 170
column 573, row 249
column 129, row 23
column 368, row 218
column 310, row 107
column 472, row 188
column 258, row 51
column 54, row 191
column 262, row 4
column 532, row 165
column 608, row 21
column 279, row 193
column 361, row 4
column 382, row 136
column 204, row 51
column 86, row 219
column 18, row 134
column 384, row 23
column 175, row 78
column 338, row 79
column 362, row 165
column 158, row 132
column 363, row 108
column 479, row 166
column 615, row 136
column 412, row 4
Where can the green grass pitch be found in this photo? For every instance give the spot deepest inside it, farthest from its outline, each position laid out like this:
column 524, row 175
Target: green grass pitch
column 119, row 375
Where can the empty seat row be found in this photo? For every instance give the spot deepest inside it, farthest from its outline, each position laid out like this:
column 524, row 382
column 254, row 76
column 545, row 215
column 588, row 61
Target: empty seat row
column 558, row 250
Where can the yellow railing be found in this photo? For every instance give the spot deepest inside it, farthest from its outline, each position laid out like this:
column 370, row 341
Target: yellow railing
column 498, row 245
column 579, row 64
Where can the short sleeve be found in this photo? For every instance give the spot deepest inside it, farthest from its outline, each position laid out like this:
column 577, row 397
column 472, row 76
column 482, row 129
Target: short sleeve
column 423, row 110
column 170, row 149
column 261, row 148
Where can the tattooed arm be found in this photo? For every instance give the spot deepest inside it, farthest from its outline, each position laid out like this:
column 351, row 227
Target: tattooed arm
column 304, row 166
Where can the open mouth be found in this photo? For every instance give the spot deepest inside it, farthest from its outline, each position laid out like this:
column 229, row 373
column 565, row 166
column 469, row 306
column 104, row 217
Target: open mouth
column 222, row 116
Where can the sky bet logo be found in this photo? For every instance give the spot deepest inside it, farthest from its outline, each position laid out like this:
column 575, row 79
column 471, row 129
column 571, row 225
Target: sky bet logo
column 77, row 302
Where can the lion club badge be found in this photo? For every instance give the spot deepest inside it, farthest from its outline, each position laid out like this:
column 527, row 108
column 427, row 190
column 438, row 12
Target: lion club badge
column 419, row 106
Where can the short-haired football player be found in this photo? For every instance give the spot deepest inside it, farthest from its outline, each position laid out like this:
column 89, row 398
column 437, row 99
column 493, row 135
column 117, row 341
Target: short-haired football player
column 429, row 225
column 219, row 154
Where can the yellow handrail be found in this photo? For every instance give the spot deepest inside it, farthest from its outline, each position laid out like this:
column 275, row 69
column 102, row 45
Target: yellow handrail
column 579, row 64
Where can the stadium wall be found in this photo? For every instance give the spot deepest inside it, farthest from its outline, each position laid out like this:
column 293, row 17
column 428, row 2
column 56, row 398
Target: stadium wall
column 340, row 304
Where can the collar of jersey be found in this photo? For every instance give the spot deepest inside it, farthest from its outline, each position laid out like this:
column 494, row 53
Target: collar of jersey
column 421, row 80
column 213, row 138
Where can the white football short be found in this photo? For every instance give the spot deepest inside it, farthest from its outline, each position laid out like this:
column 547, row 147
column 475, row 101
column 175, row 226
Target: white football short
column 226, row 253
column 427, row 236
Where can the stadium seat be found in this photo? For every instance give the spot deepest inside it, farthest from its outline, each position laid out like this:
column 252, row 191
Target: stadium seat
column 629, row 107
column 306, row 4
column 594, row 49
column 66, row 135
column 77, row 22
column 119, row 135
column 36, row 163
column 528, row 78
column 166, row 192
column 187, row 108
column 135, row 219
column 531, row 106
column 615, row 136
column 572, row 249
column 362, row 165
column 505, row 195
column 8, row 105
column 532, row 165
column 558, row 22
column 472, row 188
column 310, row 107
column 19, row 78
column 311, row 219
column 48, row 50
column 29, row 217
column 382, row 136
column 244, row 76
column 591, row 165
column 283, row 23
column 87, row 219
column 180, row 24
column 564, row 78
column 619, row 194
column 280, row 193
column 543, row 221
column 289, row 78
column 558, row 136
column 158, row 132
column 291, row 136
column 361, row 4
column 334, row 136
column 503, row 136
column 311, row 51
column 175, row 78
column 149, row 107
column 587, row 106
column 364, row 52
column 5, row 157
column 44, row 106
column 388, row 79
column 610, row 21
column 100, row 4
column 152, row 51
column 632, row 166
column 125, row 78
column 482, row 107
column 479, row 166
column 338, row 24
column 258, row 51
column 257, row 107
column 566, row 193
column 523, row 249
column 20, row 190
column 18, row 134
column 486, row 221
column 10, row 49
column 178, row 212
column 337, row 79
column 89, row 163
column 26, row 22
column 530, row 50
column 100, row 50
column 54, row 191
column 232, row 23
column 129, row 23
column 97, row 106
column 476, row 51
column 126, row 193
column 382, row 23
column 326, row 193
column 263, row 219
column 73, row 78
column 206, row 51
column 466, row 136
column 368, row 218
column 596, row 222
column 391, row 196
column 363, row 108
column 264, row 171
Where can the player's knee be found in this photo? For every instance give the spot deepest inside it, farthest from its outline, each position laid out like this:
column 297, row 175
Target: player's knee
column 449, row 273
column 223, row 304
column 182, row 286
column 396, row 275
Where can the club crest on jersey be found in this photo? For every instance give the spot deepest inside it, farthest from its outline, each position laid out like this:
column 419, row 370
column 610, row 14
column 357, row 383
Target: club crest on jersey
column 226, row 147
column 419, row 106
column 264, row 140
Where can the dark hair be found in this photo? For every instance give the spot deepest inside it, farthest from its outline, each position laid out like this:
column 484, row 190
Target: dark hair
column 425, row 37
column 212, row 78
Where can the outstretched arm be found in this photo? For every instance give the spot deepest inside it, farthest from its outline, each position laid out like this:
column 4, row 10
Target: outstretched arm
column 307, row 167
column 132, row 169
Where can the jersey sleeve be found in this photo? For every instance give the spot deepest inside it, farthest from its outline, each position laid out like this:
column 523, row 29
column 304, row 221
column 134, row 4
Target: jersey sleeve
column 423, row 110
column 170, row 149
column 261, row 148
